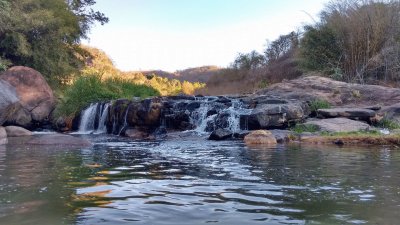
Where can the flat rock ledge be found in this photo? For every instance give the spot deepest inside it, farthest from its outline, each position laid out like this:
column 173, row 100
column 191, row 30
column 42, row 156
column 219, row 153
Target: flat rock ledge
column 60, row 139
column 335, row 125
column 351, row 113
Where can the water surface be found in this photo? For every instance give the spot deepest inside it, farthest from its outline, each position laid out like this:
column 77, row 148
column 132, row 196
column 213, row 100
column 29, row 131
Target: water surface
column 193, row 181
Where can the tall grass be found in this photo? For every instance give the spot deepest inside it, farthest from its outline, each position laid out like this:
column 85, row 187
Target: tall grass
column 92, row 88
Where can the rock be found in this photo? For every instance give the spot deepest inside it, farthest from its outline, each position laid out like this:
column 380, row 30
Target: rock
column 282, row 136
column 136, row 134
column 59, row 139
column 13, row 131
column 220, row 134
column 260, row 137
column 267, row 116
column 309, row 88
column 35, row 95
column 351, row 113
column 339, row 125
column 3, row 136
column 8, row 101
column 391, row 113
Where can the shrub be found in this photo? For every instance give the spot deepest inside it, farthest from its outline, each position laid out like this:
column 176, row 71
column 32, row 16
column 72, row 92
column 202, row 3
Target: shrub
column 389, row 124
column 91, row 88
column 319, row 104
column 301, row 128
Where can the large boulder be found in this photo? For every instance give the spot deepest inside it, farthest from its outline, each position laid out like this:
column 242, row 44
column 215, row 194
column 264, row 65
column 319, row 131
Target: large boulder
column 260, row 137
column 35, row 95
column 310, row 88
column 351, row 113
column 339, row 125
column 8, row 101
column 3, row 136
column 13, row 131
column 274, row 114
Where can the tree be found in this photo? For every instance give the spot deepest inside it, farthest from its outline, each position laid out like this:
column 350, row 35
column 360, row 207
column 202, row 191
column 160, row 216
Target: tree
column 248, row 61
column 283, row 46
column 45, row 34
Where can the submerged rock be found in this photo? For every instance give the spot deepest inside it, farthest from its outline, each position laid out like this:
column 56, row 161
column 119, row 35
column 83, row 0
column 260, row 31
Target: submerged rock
column 59, row 139
column 3, row 136
column 260, row 137
column 339, row 125
column 13, row 131
column 220, row 134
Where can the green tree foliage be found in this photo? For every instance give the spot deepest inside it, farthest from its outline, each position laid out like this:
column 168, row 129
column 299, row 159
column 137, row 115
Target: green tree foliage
column 45, row 34
column 252, row 60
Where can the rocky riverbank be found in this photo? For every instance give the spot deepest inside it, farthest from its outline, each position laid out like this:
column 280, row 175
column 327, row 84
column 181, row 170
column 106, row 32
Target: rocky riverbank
column 27, row 101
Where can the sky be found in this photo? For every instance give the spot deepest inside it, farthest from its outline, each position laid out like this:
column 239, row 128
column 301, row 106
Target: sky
column 173, row 35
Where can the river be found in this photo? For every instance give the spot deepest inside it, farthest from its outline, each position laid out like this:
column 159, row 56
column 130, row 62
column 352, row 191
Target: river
column 190, row 180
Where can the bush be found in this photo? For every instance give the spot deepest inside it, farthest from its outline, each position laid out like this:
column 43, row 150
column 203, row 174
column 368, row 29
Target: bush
column 389, row 124
column 319, row 104
column 91, row 88
column 301, row 128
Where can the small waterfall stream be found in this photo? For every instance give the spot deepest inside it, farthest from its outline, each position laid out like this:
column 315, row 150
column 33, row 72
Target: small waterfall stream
column 94, row 118
column 203, row 114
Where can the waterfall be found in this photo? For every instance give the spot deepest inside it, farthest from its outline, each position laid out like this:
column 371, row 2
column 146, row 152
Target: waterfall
column 102, row 128
column 93, row 119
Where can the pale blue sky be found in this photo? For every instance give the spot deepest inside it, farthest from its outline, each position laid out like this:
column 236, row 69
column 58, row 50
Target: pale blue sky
column 177, row 34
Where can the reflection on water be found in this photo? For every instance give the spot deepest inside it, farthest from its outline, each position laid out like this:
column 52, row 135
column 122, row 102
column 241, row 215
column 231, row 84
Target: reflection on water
column 193, row 181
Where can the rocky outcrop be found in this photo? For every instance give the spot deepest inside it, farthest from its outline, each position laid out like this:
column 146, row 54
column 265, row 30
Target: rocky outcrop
column 59, row 139
column 339, row 125
column 350, row 113
column 260, row 137
column 3, row 136
column 8, row 101
column 338, row 93
column 35, row 96
column 13, row 131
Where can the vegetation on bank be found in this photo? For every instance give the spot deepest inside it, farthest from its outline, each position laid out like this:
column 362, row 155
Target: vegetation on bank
column 93, row 88
column 353, row 41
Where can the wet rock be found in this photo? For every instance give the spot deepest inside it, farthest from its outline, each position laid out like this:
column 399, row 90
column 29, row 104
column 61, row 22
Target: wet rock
column 3, row 136
column 260, row 137
column 282, row 136
column 13, row 131
column 35, row 95
column 178, row 120
column 117, row 115
column 182, row 97
column 351, row 113
column 193, row 106
column 59, row 139
column 136, row 134
column 220, row 134
column 212, row 112
column 339, row 125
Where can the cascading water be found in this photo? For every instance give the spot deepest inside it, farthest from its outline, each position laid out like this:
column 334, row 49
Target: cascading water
column 102, row 128
column 211, row 112
column 94, row 118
